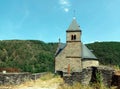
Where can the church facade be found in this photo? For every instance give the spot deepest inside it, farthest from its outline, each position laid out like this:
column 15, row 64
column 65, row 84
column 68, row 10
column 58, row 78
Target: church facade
column 74, row 55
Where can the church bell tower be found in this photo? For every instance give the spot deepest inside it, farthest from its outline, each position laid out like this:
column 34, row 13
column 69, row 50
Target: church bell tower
column 73, row 32
column 74, row 46
column 73, row 39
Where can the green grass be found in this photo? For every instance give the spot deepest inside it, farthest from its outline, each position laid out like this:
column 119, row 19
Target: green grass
column 47, row 76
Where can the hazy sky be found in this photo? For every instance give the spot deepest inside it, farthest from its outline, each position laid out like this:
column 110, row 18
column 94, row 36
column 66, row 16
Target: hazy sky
column 48, row 20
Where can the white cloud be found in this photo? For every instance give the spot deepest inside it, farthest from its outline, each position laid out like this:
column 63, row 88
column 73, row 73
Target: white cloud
column 66, row 9
column 65, row 2
column 65, row 5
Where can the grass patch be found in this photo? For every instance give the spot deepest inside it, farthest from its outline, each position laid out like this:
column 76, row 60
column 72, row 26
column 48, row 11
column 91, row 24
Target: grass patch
column 80, row 86
column 116, row 67
column 47, row 76
column 74, row 86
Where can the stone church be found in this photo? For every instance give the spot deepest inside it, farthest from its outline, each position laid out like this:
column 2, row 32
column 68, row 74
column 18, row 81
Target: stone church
column 74, row 55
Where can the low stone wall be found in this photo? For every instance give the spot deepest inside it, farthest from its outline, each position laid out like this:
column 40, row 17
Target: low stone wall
column 13, row 78
column 90, row 75
column 18, row 78
column 37, row 75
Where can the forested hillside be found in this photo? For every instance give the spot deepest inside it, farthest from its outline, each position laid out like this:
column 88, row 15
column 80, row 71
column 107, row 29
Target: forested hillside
column 37, row 56
column 30, row 55
column 107, row 52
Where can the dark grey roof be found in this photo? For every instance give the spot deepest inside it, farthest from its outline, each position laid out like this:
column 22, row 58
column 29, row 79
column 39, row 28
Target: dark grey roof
column 86, row 53
column 73, row 26
column 62, row 45
column 60, row 48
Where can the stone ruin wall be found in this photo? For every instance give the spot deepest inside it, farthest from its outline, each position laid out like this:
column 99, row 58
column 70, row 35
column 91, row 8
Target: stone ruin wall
column 85, row 77
column 88, row 75
column 13, row 78
column 18, row 78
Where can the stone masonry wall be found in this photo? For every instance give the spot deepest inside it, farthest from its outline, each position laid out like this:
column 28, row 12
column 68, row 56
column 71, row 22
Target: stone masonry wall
column 89, row 63
column 69, row 34
column 89, row 75
column 70, row 55
column 18, row 78
column 37, row 75
column 13, row 78
column 106, row 73
column 83, row 77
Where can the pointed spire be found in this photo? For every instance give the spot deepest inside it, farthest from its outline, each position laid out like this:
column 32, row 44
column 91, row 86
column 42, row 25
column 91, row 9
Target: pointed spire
column 74, row 26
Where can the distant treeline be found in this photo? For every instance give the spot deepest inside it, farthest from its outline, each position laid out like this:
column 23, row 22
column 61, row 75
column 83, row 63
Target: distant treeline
column 38, row 56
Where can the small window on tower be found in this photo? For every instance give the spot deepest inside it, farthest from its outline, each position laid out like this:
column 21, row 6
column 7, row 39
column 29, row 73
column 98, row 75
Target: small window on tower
column 74, row 37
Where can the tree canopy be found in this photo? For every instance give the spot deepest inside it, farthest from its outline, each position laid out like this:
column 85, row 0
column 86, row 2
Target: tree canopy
column 28, row 56
column 108, row 53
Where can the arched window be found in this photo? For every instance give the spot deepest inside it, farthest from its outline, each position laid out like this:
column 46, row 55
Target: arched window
column 74, row 37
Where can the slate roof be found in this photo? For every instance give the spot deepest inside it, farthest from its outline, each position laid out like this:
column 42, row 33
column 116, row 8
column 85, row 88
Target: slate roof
column 73, row 26
column 60, row 48
column 86, row 53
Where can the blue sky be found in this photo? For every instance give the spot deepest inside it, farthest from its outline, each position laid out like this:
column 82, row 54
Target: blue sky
column 48, row 20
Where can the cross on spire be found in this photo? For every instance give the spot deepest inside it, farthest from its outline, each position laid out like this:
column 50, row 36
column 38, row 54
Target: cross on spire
column 74, row 17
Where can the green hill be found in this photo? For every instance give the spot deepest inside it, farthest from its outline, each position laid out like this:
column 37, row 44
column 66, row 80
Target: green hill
column 30, row 55
column 107, row 52
column 37, row 56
